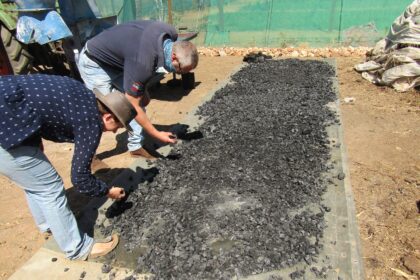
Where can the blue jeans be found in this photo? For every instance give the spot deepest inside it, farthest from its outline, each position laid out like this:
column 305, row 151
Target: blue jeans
column 30, row 169
column 104, row 80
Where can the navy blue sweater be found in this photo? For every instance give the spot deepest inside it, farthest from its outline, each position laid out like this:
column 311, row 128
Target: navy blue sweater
column 133, row 48
column 55, row 108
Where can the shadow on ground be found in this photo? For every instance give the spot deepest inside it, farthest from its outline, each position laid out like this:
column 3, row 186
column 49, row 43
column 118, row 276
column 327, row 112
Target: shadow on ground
column 180, row 130
column 86, row 209
column 164, row 92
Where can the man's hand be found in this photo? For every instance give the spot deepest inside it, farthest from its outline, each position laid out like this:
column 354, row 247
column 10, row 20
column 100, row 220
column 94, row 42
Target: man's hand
column 116, row 193
column 141, row 119
column 167, row 137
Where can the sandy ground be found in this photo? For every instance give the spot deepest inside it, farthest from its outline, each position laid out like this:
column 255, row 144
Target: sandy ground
column 381, row 134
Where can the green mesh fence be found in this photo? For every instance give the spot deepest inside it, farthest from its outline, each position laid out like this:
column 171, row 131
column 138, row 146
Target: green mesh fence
column 270, row 23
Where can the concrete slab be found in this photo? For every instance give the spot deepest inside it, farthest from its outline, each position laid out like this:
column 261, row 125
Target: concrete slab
column 341, row 255
column 42, row 266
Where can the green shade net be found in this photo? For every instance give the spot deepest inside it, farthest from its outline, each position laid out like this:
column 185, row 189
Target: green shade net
column 270, row 23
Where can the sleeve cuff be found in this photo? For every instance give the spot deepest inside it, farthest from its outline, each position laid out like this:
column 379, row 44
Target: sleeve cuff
column 136, row 89
column 102, row 189
column 98, row 189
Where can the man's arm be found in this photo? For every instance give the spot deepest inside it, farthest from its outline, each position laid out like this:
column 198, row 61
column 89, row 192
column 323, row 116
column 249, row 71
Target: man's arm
column 143, row 120
column 86, row 141
column 85, row 145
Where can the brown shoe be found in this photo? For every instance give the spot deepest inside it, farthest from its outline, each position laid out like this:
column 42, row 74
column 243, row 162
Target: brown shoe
column 142, row 152
column 101, row 247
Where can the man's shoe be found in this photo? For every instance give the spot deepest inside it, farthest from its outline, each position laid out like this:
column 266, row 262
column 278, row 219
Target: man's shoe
column 102, row 247
column 106, row 247
column 142, row 152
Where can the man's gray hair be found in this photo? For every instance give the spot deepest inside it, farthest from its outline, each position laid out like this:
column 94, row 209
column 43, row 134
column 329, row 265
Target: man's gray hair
column 186, row 52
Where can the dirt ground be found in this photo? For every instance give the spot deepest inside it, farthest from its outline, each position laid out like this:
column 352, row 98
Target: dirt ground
column 381, row 130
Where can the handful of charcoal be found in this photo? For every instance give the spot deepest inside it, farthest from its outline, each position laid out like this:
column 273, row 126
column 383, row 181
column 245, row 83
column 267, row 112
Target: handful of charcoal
column 256, row 57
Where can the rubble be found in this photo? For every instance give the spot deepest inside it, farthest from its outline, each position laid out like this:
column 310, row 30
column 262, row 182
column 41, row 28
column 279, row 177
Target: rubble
column 294, row 52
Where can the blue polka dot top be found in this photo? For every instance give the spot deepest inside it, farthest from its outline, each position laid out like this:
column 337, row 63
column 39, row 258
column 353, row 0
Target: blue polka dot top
column 55, row 108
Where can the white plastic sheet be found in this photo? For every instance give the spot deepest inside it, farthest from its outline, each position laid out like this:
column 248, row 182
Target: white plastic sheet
column 395, row 60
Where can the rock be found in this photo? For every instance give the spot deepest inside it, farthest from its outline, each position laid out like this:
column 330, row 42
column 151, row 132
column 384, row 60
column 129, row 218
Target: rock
column 345, row 53
column 222, row 53
column 112, row 276
column 275, row 277
column 278, row 52
column 106, row 268
column 412, row 263
column 294, row 54
column 349, row 100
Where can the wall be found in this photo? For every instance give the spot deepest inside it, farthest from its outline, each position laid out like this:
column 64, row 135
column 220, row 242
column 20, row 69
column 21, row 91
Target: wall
column 275, row 23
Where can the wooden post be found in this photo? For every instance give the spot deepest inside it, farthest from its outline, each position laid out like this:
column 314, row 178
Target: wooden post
column 170, row 12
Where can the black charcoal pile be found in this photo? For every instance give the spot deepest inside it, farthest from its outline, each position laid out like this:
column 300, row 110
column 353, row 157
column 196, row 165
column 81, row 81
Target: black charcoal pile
column 256, row 57
column 245, row 198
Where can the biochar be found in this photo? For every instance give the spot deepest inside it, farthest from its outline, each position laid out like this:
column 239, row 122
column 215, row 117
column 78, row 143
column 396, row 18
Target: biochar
column 236, row 201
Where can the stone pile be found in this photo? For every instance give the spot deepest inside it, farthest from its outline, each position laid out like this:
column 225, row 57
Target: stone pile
column 294, row 52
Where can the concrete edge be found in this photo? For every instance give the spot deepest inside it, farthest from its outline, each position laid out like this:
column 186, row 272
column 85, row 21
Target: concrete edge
column 356, row 249
column 49, row 264
column 357, row 269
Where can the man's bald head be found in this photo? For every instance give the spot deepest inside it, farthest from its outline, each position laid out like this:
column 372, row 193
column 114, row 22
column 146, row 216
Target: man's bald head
column 186, row 55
